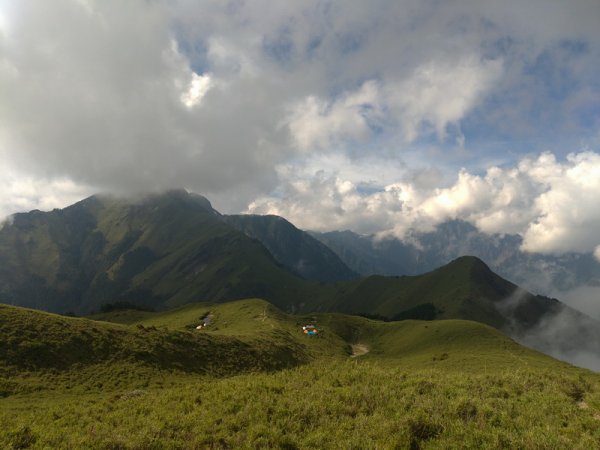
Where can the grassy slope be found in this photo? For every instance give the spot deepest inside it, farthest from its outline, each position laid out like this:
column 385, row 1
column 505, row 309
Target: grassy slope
column 335, row 405
column 245, row 319
column 444, row 344
column 405, row 340
column 442, row 384
column 35, row 343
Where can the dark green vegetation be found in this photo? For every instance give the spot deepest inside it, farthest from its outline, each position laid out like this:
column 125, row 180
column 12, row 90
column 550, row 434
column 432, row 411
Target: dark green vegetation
column 251, row 379
column 34, row 340
column 466, row 288
column 296, row 250
column 161, row 251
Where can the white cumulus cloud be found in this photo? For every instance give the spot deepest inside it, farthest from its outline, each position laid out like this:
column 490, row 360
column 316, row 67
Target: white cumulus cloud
column 568, row 216
column 21, row 193
column 440, row 93
column 437, row 94
column 316, row 123
column 198, row 87
column 552, row 204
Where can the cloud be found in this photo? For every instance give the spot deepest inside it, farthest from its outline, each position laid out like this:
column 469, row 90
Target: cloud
column 198, row 87
column 102, row 94
column 217, row 96
column 317, row 124
column 19, row 192
column 566, row 335
column 561, row 332
column 585, row 298
column 551, row 204
column 440, row 93
column 436, row 95
column 568, row 214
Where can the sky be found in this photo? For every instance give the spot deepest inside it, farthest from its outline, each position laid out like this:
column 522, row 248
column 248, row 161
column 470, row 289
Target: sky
column 375, row 116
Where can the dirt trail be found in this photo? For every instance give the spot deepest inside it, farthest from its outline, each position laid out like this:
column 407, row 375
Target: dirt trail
column 359, row 350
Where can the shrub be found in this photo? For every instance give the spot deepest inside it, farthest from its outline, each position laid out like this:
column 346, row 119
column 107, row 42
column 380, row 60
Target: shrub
column 21, row 438
column 422, row 429
column 466, row 410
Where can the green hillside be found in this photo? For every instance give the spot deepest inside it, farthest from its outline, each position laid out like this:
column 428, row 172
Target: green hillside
column 34, row 341
column 447, row 344
column 251, row 379
column 245, row 335
column 464, row 289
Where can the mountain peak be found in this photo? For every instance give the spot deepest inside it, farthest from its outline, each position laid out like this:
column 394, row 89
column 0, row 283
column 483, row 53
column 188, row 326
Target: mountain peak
column 478, row 272
column 181, row 195
column 470, row 261
column 173, row 198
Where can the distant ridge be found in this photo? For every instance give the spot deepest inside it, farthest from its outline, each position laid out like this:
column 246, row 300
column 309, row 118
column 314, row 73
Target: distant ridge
column 421, row 252
column 465, row 288
column 295, row 249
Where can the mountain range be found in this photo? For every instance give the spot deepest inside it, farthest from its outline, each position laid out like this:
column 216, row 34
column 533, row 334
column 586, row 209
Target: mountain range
column 165, row 250
column 420, row 252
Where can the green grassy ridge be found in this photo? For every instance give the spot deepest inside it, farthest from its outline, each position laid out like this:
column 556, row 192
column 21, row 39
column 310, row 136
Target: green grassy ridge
column 243, row 335
column 244, row 319
column 447, row 343
column 37, row 341
column 436, row 384
column 352, row 404
column 454, row 345
column 463, row 289
column 238, row 317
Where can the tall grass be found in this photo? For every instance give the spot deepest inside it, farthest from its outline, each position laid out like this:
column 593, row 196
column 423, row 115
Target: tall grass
column 252, row 380
column 324, row 405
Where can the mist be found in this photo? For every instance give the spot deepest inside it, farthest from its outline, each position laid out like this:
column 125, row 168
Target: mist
column 7, row 221
column 584, row 297
column 563, row 332
column 567, row 336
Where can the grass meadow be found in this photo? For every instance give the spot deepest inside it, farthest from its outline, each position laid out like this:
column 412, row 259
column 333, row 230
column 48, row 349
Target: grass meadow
column 430, row 385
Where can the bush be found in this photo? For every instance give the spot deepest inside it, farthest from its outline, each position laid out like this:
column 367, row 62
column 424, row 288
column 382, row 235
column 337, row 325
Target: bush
column 21, row 438
column 422, row 429
column 466, row 410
